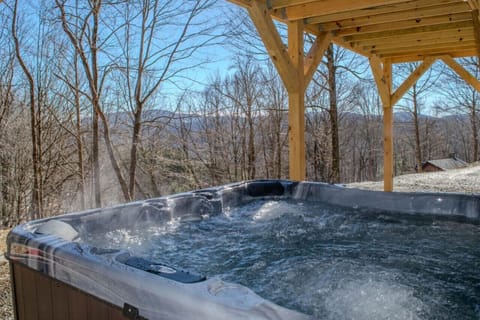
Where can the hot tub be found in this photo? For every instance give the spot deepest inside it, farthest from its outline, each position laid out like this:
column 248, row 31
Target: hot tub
column 254, row 250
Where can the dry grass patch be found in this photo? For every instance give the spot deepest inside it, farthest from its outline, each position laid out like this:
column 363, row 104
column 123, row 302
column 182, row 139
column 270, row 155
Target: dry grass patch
column 6, row 310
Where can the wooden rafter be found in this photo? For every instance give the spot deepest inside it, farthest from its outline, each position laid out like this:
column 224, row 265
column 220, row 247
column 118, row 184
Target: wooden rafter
column 462, row 72
column 476, row 28
column 412, row 79
column 451, row 38
column 474, row 4
column 364, row 26
column 427, row 51
column 382, row 83
column 405, row 24
column 314, row 8
column 315, row 54
column 439, row 29
column 373, row 11
column 273, row 42
column 400, row 20
column 276, row 4
column 420, row 56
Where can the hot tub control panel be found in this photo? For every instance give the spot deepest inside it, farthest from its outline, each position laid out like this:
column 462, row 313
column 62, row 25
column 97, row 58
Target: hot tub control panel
column 163, row 270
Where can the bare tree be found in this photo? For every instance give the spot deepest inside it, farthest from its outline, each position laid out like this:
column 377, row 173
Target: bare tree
column 7, row 57
column 334, row 79
column 273, row 123
column 413, row 103
column 149, row 60
column 365, row 132
column 84, row 38
column 333, row 113
column 36, row 192
column 462, row 99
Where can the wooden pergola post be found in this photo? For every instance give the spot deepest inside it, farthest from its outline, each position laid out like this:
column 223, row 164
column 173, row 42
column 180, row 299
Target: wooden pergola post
column 382, row 73
column 385, row 31
column 296, row 71
column 296, row 103
column 388, row 161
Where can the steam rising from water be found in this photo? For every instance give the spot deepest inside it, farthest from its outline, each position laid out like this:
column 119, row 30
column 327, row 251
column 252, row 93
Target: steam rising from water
column 328, row 262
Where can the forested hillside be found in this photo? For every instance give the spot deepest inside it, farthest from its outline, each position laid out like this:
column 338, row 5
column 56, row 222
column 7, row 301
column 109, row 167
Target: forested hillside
column 108, row 101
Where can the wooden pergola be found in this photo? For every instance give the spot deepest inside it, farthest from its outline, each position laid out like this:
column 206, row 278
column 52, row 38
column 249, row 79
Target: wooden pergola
column 385, row 31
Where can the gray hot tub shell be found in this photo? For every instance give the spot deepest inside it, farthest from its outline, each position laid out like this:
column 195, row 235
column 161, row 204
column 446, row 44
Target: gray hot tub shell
column 51, row 247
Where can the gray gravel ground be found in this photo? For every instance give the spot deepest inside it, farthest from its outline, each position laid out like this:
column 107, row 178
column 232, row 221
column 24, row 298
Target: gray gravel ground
column 466, row 180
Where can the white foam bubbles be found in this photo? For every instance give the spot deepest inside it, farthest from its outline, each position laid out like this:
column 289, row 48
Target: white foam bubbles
column 371, row 299
column 275, row 209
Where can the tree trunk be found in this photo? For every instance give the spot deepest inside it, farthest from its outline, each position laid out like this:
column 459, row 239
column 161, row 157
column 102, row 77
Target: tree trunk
column 36, row 207
column 137, row 124
column 333, row 112
column 251, row 144
column 4, row 177
column 418, row 149
column 79, row 141
column 96, row 160
column 474, row 120
column 96, row 105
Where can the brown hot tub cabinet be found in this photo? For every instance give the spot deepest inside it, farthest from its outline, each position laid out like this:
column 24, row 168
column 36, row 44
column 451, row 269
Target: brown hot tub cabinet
column 38, row 296
column 57, row 276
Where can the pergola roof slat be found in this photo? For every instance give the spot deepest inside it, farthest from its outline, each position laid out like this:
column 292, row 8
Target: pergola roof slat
column 370, row 27
column 394, row 17
column 446, row 43
column 399, row 25
column 408, row 5
column 417, row 39
column 438, row 29
column 316, row 8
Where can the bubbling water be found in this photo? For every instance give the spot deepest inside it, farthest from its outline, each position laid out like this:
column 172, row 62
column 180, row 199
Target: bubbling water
column 325, row 261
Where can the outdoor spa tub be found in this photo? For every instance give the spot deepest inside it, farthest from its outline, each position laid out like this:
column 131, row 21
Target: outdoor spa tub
column 254, row 250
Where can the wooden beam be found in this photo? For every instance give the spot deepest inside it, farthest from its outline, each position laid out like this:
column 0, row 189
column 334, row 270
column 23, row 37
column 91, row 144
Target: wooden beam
column 476, row 28
column 424, row 53
column 296, row 103
column 277, row 4
column 379, row 76
column 263, row 22
column 410, row 81
column 414, row 57
column 332, row 6
column 431, row 49
column 358, row 50
column 474, row 4
column 462, row 72
column 412, row 42
column 413, row 16
column 456, row 26
column 315, row 55
column 241, row 3
column 405, row 24
column 352, row 14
